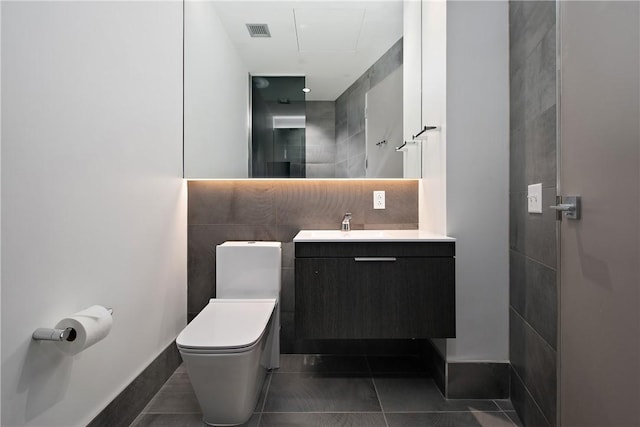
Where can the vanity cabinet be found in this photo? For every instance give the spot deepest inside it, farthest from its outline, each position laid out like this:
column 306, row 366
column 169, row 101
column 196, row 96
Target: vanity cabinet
column 366, row 290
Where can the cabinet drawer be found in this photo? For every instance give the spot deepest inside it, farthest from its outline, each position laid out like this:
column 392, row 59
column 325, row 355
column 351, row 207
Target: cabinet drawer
column 381, row 296
column 362, row 249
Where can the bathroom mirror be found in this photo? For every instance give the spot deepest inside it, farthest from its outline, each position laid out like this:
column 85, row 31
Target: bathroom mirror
column 348, row 55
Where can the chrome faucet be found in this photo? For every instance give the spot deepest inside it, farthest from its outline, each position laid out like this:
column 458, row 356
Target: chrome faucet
column 346, row 222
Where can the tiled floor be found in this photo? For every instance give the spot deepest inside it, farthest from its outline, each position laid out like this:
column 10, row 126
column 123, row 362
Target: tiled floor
column 310, row 390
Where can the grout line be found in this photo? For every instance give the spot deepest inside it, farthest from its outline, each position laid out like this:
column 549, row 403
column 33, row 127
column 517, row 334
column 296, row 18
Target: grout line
column 535, row 331
column 373, row 381
column 266, row 394
column 504, row 411
column 535, row 402
column 379, row 401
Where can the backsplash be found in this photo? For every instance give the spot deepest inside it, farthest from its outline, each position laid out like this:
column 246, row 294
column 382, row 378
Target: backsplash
column 277, row 210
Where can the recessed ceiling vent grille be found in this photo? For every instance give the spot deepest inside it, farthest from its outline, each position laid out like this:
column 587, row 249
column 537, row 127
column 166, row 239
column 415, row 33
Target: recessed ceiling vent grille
column 258, row 30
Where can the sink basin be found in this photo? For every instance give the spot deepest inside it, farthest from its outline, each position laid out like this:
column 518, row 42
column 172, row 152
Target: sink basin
column 370, row 236
column 342, row 235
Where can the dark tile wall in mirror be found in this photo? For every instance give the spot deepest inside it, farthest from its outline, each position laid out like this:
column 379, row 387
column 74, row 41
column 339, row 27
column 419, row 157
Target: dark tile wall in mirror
column 350, row 114
column 277, row 210
column 533, row 245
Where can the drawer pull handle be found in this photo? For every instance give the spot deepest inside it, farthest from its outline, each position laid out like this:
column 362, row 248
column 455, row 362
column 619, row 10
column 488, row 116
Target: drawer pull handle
column 375, row 259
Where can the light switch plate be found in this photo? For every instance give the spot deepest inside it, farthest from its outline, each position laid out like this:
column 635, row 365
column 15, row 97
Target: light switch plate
column 378, row 200
column 534, row 198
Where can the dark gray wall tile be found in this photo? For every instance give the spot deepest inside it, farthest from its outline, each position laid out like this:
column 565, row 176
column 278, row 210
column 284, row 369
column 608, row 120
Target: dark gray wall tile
column 387, row 64
column 321, row 153
column 231, row 202
column 540, row 149
column 535, row 363
column 527, row 409
column 320, row 170
column 398, row 195
column 477, row 380
column 518, row 179
column 357, row 145
column 530, row 233
column 529, row 22
column 355, row 108
column 517, row 116
column 342, row 169
column 532, row 237
column 534, row 295
column 356, row 166
column 540, row 76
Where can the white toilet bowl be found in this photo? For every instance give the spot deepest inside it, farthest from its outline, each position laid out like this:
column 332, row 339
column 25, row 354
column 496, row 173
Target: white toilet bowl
column 229, row 346
column 226, row 351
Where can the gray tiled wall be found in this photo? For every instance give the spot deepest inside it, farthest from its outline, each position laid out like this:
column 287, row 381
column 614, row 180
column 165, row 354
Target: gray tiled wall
column 350, row 106
column 533, row 244
column 277, row 210
column 320, row 139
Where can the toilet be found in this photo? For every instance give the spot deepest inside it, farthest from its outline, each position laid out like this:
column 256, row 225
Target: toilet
column 229, row 346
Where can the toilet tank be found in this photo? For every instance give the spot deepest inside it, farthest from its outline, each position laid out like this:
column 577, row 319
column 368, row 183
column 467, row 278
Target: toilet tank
column 248, row 269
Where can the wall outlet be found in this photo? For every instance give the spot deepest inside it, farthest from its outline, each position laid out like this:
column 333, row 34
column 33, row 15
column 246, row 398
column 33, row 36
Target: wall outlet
column 378, row 200
column 534, row 198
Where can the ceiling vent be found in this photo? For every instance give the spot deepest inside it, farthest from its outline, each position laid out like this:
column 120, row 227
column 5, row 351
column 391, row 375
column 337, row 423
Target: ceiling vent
column 258, row 30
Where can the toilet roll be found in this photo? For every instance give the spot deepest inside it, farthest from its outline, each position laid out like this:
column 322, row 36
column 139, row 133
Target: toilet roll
column 90, row 326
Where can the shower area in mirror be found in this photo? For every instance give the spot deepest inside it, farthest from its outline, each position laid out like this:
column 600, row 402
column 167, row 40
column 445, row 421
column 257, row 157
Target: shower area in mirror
column 278, row 134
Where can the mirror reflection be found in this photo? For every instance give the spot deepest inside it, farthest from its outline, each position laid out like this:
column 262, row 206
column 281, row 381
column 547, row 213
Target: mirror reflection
column 246, row 65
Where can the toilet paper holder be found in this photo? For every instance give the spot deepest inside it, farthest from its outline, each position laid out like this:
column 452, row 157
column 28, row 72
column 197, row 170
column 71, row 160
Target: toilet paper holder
column 52, row 334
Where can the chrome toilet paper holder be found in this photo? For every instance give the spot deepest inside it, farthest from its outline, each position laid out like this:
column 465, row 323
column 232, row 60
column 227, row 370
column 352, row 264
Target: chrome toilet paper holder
column 52, row 334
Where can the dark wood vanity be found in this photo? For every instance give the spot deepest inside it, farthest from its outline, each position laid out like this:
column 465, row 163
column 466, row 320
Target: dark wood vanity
column 375, row 289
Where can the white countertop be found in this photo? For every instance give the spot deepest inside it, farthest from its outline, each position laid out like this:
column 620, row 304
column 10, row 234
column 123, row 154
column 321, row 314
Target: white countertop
column 370, row 236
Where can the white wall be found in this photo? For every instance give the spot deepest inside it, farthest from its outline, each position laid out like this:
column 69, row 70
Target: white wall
column 478, row 175
column 216, row 98
column 467, row 165
column 93, row 204
column 434, row 113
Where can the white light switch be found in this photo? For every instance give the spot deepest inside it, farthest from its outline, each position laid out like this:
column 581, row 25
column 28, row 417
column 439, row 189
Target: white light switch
column 534, row 198
column 378, row 200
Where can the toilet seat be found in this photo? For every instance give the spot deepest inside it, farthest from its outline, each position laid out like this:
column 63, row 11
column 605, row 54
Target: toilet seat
column 227, row 326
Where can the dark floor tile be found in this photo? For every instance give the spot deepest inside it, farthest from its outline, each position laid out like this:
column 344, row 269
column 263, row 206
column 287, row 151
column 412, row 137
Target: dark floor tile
column 169, row 420
column 297, row 363
column 321, row 393
column 504, row 404
column 352, row 419
column 176, row 396
column 401, row 394
column 457, row 419
column 398, row 364
column 513, row 416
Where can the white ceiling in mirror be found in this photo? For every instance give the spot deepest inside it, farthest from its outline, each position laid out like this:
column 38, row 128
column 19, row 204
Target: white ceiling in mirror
column 328, row 30
column 332, row 43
